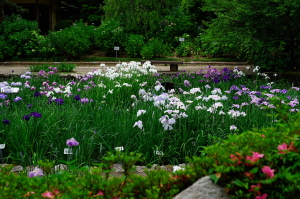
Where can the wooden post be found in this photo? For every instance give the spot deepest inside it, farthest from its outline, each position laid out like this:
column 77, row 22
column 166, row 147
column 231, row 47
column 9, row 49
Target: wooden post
column 173, row 67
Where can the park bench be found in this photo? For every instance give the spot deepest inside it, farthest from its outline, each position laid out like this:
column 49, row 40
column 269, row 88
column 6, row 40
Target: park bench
column 173, row 64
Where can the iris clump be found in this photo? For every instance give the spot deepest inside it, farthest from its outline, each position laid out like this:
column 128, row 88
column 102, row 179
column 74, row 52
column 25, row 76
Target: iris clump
column 128, row 105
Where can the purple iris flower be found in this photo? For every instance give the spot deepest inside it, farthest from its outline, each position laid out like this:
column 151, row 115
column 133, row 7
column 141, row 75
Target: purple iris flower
column 72, row 142
column 36, row 172
column 77, row 97
column 186, row 83
column 29, row 106
column 50, row 100
column 234, row 87
column 3, row 96
column 261, row 100
column 37, row 94
column 5, row 121
column 216, row 80
column 284, row 91
column 35, row 114
column 59, row 101
column 84, row 100
column 258, row 93
column 18, row 99
column 225, row 78
column 26, row 117
column 235, row 97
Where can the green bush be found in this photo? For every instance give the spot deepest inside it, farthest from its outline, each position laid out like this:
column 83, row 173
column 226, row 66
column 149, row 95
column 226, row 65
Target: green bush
column 20, row 37
column 134, row 45
column 108, row 35
column 186, row 47
column 155, row 48
column 46, row 48
column 74, row 40
column 62, row 24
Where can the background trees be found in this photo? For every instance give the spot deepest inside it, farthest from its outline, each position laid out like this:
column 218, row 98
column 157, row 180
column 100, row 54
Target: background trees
column 266, row 33
column 139, row 16
column 8, row 6
column 263, row 32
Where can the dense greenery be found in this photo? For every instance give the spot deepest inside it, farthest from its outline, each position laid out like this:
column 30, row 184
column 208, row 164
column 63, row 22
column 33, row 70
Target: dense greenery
column 265, row 33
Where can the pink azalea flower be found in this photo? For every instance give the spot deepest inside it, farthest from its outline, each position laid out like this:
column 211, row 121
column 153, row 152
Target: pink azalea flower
column 236, row 158
column 48, row 194
column 255, row 188
column 282, row 148
column 264, row 196
column 255, row 157
column 268, row 171
column 100, row 193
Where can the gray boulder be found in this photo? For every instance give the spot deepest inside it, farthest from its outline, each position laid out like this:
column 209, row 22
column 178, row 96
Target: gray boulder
column 204, row 188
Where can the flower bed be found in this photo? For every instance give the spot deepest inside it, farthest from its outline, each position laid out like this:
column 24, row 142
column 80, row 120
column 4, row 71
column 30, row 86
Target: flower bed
column 127, row 106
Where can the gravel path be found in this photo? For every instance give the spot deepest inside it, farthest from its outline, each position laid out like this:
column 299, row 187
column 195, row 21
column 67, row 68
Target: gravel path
column 7, row 68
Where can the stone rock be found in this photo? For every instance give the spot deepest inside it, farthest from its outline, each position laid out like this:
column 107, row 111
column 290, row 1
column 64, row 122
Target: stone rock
column 17, row 169
column 204, row 188
column 60, row 167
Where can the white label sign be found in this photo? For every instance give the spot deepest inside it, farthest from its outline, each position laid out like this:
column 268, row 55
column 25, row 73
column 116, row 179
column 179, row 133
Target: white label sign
column 181, row 39
column 68, row 151
column 2, row 146
column 116, row 48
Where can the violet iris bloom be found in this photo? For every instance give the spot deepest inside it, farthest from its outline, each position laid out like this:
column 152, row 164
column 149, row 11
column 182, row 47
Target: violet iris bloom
column 26, row 117
column 37, row 94
column 72, row 142
column 5, row 121
column 77, row 97
column 35, row 114
column 36, row 172
column 59, row 101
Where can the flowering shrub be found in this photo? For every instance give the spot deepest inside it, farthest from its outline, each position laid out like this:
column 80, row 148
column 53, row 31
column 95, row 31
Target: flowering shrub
column 256, row 164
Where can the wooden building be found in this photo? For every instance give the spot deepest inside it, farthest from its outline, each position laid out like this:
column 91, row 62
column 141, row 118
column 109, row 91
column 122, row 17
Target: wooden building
column 46, row 12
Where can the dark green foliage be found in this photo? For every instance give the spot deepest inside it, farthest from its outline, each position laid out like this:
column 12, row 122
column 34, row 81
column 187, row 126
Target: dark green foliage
column 19, row 37
column 134, row 45
column 62, row 24
column 155, row 48
column 72, row 41
column 187, row 47
column 108, row 35
column 139, row 16
column 90, row 11
column 263, row 32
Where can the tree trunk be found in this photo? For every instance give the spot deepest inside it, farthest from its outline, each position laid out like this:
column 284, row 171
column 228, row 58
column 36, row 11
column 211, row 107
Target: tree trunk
column 1, row 13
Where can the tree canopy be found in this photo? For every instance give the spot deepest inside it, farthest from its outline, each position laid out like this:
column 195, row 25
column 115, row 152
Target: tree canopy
column 139, row 16
column 265, row 32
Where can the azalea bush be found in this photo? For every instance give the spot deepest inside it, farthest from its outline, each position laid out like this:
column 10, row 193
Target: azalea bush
column 128, row 106
column 260, row 164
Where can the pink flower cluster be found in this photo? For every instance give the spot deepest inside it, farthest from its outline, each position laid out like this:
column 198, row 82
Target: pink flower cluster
column 284, row 148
